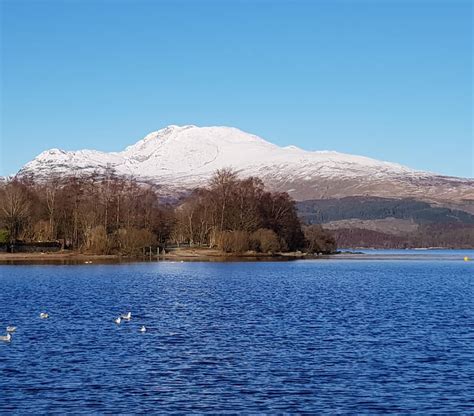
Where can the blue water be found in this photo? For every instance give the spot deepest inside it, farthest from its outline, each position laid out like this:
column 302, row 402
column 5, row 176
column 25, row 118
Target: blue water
column 322, row 336
column 438, row 254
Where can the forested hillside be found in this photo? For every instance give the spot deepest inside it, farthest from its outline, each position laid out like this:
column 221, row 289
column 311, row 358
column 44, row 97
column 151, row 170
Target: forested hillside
column 369, row 208
column 390, row 223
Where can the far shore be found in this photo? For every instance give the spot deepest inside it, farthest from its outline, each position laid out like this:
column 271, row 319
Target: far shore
column 186, row 254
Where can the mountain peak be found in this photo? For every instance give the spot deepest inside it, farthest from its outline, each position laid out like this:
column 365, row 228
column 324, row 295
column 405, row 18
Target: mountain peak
column 183, row 157
column 51, row 152
column 191, row 138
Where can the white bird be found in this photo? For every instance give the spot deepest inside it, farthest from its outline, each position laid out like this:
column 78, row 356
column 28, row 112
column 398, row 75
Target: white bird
column 6, row 338
column 143, row 328
column 11, row 328
column 44, row 315
column 127, row 316
column 118, row 320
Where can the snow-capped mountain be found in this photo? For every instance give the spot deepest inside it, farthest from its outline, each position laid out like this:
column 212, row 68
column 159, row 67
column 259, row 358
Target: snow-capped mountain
column 184, row 157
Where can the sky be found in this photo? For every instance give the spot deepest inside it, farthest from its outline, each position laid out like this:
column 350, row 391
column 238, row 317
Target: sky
column 387, row 79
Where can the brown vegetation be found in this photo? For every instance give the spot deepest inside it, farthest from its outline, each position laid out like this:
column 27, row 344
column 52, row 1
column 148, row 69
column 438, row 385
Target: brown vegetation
column 319, row 240
column 265, row 241
column 97, row 214
column 108, row 214
column 430, row 235
column 227, row 212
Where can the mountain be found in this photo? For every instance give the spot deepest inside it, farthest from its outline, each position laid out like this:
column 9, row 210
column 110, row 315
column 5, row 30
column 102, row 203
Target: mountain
column 179, row 158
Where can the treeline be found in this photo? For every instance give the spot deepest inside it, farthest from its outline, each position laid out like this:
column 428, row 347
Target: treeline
column 237, row 215
column 96, row 214
column 430, row 235
column 371, row 208
column 108, row 213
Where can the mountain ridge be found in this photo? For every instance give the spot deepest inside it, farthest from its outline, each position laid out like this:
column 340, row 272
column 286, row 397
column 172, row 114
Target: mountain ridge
column 180, row 158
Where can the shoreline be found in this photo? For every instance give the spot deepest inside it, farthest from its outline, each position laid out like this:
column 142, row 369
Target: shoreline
column 204, row 255
column 184, row 254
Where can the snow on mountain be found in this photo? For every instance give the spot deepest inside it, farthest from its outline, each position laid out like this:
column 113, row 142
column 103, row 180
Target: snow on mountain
column 183, row 157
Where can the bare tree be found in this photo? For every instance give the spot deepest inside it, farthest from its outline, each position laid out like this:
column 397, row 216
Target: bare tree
column 15, row 208
column 222, row 183
column 319, row 240
column 50, row 193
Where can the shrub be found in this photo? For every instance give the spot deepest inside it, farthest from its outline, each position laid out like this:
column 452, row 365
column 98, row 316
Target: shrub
column 132, row 241
column 4, row 236
column 265, row 240
column 319, row 240
column 233, row 241
column 97, row 240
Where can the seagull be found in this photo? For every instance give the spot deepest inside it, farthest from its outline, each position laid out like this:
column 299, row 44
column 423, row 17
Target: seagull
column 6, row 338
column 44, row 315
column 143, row 328
column 118, row 320
column 11, row 328
column 127, row 316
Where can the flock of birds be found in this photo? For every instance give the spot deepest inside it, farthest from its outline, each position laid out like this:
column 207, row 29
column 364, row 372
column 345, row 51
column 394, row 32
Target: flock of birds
column 44, row 315
column 127, row 317
column 8, row 337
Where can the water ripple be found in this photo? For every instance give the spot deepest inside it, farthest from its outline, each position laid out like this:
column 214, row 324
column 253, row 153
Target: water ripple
column 318, row 337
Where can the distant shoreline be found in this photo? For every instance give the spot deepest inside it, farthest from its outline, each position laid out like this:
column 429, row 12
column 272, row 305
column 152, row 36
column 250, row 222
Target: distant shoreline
column 202, row 255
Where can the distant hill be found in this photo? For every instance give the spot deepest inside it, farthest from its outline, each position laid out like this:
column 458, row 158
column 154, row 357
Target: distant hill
column 372, row 208
column 390, row 223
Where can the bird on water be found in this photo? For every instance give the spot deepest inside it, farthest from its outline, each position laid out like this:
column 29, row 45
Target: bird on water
column 6, row 338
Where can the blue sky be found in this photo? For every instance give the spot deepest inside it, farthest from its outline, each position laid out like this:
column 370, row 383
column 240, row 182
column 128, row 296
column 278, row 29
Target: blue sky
column 386, row 79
